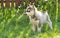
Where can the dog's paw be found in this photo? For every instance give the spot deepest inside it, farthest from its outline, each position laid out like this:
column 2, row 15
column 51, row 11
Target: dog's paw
column 39, row 30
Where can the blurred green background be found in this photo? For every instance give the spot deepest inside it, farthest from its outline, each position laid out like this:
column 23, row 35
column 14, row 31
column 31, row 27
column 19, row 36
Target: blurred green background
column 14, row 24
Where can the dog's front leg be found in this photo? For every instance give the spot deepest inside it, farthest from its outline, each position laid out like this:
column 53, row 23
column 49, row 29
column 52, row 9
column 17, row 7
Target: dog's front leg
column 33, row 27
column 39, row 27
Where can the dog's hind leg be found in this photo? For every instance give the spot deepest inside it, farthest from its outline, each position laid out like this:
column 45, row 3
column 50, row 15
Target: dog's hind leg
column 49, row 23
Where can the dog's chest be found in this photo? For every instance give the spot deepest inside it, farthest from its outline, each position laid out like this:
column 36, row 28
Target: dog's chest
column 34, row 21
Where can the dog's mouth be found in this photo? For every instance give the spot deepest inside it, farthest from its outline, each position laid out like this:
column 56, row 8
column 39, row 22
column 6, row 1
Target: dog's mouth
column 25, row 14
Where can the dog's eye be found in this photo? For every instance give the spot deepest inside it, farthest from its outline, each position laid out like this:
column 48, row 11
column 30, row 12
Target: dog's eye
column 28, row 11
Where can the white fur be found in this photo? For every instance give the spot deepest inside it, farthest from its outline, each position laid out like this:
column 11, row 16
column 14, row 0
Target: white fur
column 42, row 18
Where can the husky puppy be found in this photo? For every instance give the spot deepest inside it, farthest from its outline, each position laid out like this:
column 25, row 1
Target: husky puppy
column 38, row 18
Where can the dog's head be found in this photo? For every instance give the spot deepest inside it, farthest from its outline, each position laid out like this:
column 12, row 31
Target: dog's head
column 30, row 10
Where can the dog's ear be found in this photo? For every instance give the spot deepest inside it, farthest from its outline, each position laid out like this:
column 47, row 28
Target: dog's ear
column 28, row 4
column 33, row 3
column 33, row 6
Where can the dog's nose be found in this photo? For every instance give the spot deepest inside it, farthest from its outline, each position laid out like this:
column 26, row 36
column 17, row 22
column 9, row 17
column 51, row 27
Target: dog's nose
column 25, row 14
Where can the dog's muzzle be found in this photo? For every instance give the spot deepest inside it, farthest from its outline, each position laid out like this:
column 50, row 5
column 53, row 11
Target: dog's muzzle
column 25, row 14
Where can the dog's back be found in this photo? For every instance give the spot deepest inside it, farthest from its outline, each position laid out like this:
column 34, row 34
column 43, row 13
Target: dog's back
column 42, row 16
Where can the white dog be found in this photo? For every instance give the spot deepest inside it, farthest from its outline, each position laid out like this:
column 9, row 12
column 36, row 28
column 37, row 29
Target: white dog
column 38, row 18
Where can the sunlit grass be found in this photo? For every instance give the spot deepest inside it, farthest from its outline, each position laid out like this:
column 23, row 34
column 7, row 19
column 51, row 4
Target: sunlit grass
column 11, row 35
column 20, row 35
column 20, row 17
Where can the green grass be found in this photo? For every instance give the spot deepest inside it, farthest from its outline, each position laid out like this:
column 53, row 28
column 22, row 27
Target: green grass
column 14, row 24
